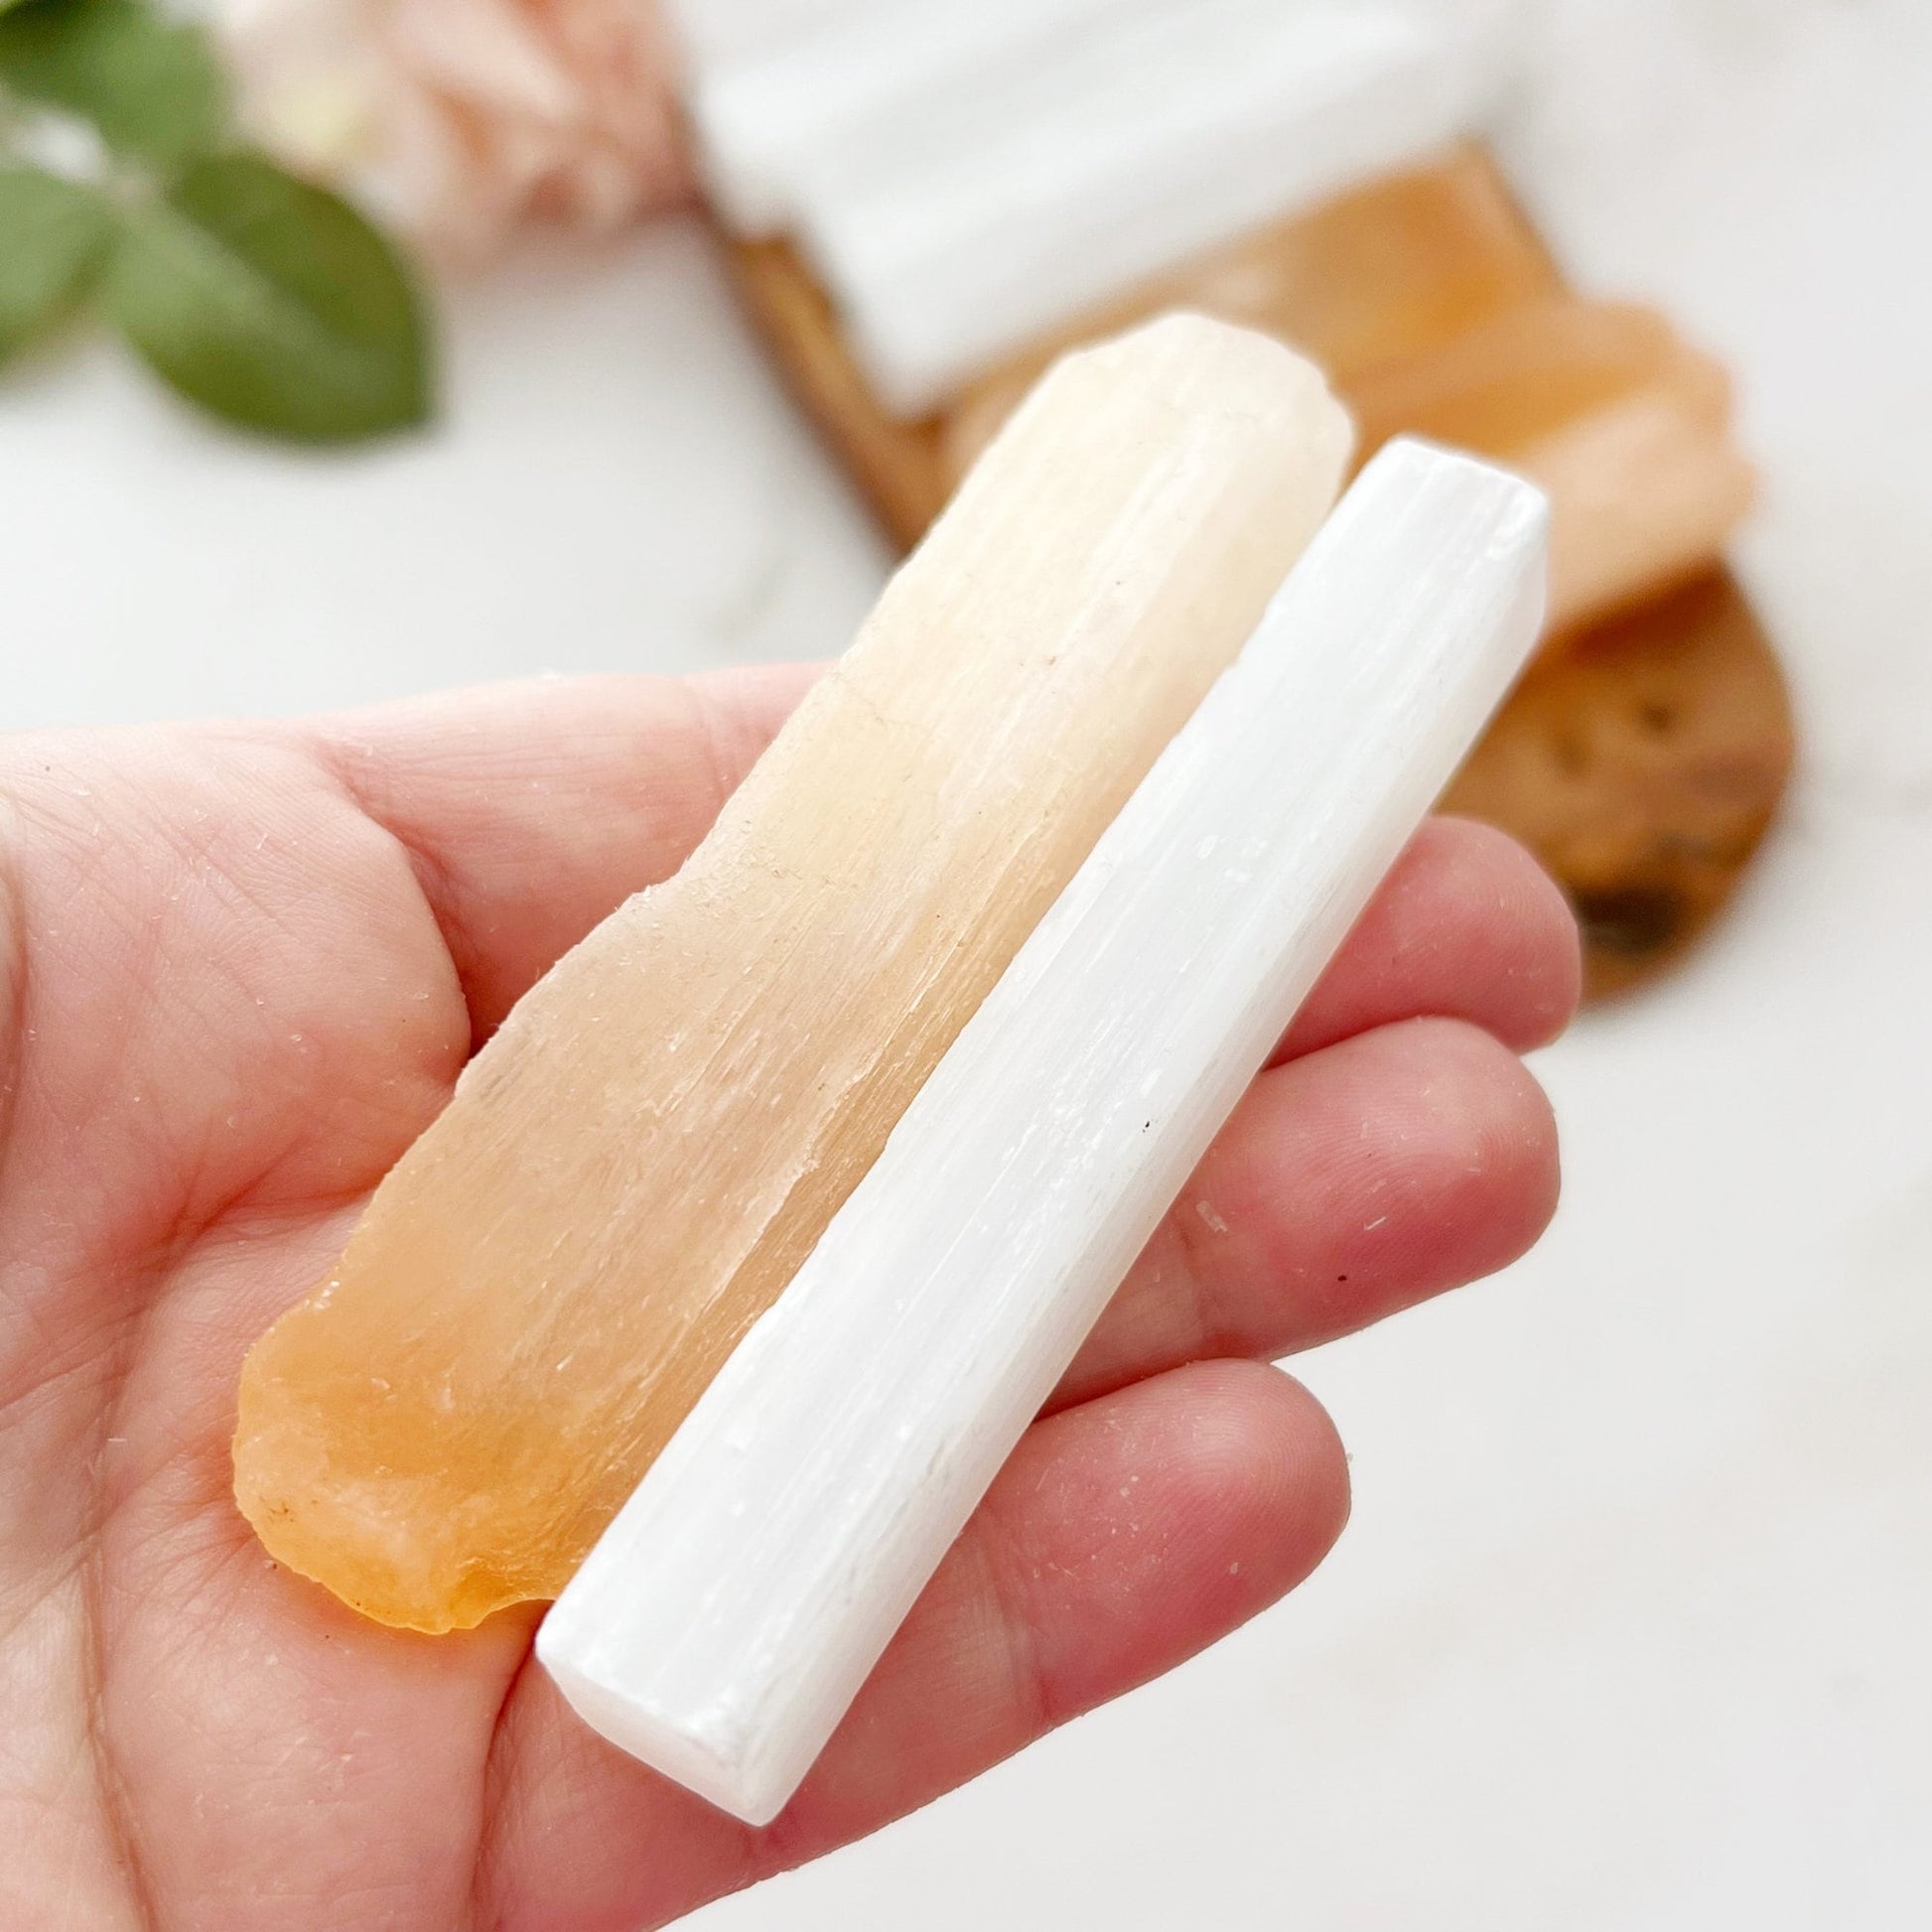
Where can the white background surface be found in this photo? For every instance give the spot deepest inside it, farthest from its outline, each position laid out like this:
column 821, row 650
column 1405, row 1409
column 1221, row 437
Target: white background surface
column 1629, row 1629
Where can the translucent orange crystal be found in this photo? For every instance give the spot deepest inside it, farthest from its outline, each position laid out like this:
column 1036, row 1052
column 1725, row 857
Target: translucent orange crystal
column 637, row 1164
column 1626, row 426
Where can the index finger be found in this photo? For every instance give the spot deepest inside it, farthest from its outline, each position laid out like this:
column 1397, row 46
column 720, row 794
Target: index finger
column 531, row 811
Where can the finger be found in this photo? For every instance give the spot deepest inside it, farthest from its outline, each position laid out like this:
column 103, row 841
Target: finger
column 531, row 811
column 1468, row 926
column 1120, row 1539
column 1350, row 1184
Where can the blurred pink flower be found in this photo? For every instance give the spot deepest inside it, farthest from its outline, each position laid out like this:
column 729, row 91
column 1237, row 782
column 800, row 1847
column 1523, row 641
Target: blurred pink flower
column 456, row 120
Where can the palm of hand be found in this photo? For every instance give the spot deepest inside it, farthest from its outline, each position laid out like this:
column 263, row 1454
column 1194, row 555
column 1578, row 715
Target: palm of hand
column 239, row 971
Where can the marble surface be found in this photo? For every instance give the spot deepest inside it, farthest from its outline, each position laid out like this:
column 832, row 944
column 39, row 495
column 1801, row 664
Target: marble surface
column 1628, row 1629
column 617, row 483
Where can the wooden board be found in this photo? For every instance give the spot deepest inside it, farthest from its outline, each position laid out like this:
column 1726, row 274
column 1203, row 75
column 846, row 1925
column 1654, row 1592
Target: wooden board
column 1643, row 768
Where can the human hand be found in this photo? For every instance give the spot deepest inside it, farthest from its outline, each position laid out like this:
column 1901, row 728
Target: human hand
column 240, row 968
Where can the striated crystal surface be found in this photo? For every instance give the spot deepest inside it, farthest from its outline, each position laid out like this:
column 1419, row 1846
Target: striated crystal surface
column 851, row 1435
column 637, row 1163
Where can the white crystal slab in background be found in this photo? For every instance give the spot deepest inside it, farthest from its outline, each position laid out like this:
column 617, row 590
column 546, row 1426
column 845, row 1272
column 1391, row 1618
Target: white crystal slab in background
column 972, row 221
column 727, row 1618
column 712, row 33
column 764, row 122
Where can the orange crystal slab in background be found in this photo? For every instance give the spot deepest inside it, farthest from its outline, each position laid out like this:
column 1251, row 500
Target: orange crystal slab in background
column 1527, row 373
column 1627, row 428
column 634, row 1167
column 1390, row 271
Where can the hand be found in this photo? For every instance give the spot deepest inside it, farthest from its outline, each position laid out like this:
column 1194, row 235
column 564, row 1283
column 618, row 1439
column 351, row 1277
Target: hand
column 240, row 967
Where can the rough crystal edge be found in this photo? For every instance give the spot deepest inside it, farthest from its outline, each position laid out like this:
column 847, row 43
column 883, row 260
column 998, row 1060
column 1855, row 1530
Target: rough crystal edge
column 722, row 1627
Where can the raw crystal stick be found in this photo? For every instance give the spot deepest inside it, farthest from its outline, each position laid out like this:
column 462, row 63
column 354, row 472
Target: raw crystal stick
column 640, row 1160
column 971, row 225
column 727, row 1618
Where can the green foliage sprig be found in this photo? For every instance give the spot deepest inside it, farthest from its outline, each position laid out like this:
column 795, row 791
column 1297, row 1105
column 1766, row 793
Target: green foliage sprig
column 263, row 299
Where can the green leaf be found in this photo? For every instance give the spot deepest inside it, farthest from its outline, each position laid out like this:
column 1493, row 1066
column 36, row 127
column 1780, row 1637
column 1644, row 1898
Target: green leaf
column 52, row 234
column 152, row 86
column 273, row 304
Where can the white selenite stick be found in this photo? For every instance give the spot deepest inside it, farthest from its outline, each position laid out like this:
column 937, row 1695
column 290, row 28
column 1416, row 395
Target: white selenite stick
column 728, row 1615
column 978, row 218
